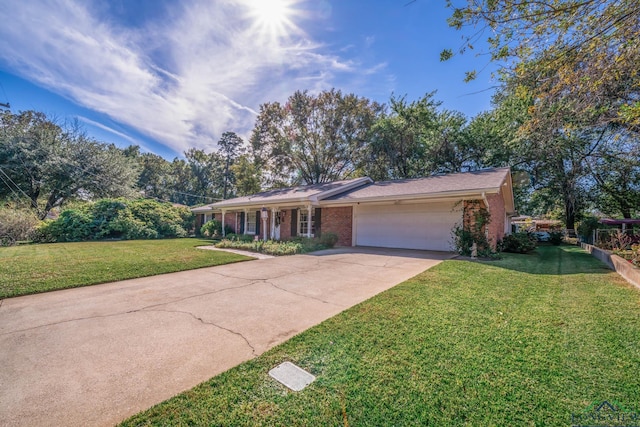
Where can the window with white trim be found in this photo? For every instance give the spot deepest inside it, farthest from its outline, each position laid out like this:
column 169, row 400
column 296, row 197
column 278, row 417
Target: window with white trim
column 250, row 227
column 303, row 223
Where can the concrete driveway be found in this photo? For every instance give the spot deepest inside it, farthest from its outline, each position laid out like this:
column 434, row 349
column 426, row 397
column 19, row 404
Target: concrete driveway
column 96, row 355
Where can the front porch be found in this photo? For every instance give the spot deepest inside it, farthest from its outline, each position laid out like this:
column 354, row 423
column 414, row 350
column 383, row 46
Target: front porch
column 284, row 223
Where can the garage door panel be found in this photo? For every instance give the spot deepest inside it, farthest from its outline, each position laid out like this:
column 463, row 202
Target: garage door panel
column 416, row 226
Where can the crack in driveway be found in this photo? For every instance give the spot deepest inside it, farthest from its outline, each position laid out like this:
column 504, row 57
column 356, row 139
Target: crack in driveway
column 228, row 276
column 77, row 319
column 230, row 288
column 145, row 308
column 204, row 322
column 301, row 295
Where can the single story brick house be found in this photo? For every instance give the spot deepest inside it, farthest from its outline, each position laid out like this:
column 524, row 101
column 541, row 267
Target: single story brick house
column 408, row 213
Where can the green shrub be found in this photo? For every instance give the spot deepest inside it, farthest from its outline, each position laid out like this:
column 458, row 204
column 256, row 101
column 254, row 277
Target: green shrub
column 163, row 218
column 587, row 226
column 463, row 240
column 635, row 255
column 213, row 229
column 556, row 237
column 297, row 245
column 15, row 225
column 71, row 226
column 520, row 243
column 464, row 237
column 42, row 233
column 329, row 240
column 116, row 219
column 240, row 237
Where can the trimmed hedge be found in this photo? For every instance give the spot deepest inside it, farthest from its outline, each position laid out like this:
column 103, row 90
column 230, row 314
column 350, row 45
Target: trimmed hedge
column 297, row 245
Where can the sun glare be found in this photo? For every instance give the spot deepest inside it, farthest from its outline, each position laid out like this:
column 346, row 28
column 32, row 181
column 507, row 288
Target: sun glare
column 273, row 17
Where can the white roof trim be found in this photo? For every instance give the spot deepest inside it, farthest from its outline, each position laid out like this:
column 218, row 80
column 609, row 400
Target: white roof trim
column 422, row 196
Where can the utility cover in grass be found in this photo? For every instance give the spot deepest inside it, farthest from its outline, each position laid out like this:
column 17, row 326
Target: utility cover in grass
column 292, row 376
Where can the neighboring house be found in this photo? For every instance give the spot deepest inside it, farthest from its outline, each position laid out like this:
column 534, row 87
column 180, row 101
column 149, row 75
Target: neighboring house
column 409, row 213
column 526, row 223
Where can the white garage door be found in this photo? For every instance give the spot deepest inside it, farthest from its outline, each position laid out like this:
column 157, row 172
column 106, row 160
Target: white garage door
column 412, row 226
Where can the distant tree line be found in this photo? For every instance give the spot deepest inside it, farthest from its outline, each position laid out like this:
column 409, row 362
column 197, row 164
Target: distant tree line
column 314, row 138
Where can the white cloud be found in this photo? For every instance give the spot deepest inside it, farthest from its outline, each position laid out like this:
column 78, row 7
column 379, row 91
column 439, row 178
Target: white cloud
column 122, row 135
column 184, row 80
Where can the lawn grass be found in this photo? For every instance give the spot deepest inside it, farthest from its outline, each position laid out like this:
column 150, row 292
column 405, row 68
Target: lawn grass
column 528, row 340
column 31, row 269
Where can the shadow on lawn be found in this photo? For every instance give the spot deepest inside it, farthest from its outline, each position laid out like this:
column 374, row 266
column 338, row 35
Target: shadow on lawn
column 552, row 260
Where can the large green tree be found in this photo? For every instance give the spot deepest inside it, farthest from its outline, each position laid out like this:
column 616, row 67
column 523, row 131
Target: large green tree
column 247, row 176
column 313, row 138
column 577, row 58
column 156, row 179
column 572, row 168
column 204, row 176
column 398, row 146
column 50, row 164
column 415, row 139
column 615, row 171
column 229, row 147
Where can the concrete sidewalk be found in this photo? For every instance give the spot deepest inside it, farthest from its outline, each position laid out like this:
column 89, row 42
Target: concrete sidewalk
column 96, row 355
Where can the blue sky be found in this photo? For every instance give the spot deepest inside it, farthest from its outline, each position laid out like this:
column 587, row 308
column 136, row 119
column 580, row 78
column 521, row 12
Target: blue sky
column 169, row 75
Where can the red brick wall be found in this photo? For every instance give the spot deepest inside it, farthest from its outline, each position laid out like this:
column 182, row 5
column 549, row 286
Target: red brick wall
column 340, row 222
column 285, row 225
column 495, row 229
column 497, row 211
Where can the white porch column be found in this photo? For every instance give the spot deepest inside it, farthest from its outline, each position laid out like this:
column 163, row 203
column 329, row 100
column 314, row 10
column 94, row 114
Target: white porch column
column 223, row 213
column 264, row 213
column 309, row 211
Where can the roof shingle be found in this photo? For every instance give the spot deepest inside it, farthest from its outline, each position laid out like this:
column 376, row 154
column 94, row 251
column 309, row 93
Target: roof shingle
column 477, row 181
column 292, row 194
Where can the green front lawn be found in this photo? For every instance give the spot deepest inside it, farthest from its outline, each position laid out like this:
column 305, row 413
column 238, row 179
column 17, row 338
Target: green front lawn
column 31, row 269
column 528, row 340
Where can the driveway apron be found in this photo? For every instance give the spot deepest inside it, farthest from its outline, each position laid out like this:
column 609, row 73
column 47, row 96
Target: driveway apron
column 98, row 354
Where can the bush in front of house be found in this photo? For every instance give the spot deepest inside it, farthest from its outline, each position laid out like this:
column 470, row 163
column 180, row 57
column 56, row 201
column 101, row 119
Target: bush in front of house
column 329, row 239
column 239, row 237
column 464, row 239
column 520, row 243
column 269, row 247
column 296, row 245
column 472, row 232
column 116, row 219
column 213, row 229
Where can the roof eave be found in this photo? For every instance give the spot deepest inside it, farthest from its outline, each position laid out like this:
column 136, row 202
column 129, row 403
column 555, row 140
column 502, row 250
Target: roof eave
column 420, row 196
column 201, row 209
column 358, row 182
